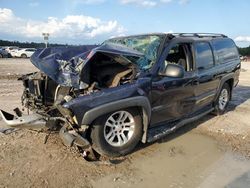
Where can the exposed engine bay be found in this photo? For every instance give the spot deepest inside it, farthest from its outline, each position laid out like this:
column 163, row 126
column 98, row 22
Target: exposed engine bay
column 41, row 92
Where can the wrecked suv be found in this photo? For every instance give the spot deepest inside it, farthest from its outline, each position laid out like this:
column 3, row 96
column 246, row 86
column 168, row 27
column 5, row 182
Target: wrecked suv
column 105, row 99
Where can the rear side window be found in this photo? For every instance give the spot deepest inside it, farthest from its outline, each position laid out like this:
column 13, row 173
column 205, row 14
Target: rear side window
column 30, row 50
column 226, row 50
column 204, row 56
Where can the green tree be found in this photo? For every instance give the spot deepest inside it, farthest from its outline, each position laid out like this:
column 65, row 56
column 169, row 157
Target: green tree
column 244, row 51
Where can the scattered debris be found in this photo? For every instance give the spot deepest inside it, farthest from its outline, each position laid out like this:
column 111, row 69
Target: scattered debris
column 7, row 130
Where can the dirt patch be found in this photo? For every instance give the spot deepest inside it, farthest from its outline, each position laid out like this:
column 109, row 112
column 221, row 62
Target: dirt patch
column 186, row 158
column 232, row 128
column 26, row 161
column 189, row 160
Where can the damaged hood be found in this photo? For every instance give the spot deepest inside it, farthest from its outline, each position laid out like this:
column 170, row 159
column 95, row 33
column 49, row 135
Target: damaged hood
column 64, row 65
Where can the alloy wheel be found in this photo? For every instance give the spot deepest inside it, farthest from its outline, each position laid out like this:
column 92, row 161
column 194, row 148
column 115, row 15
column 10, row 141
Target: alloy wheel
column 223, row 99
column 119, row 128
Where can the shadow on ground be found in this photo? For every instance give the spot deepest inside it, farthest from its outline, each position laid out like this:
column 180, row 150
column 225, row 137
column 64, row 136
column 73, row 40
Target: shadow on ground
column 240, row 95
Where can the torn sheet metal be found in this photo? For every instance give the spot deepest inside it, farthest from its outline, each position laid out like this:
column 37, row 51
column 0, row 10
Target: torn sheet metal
column 65, row 65
column 61, row 64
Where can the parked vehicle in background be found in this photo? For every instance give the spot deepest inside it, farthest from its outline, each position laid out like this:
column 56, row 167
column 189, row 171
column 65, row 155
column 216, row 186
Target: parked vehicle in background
column 14, row 51
column 3, row 53
column 10, row 49
column 129, row 89
column 25, row 53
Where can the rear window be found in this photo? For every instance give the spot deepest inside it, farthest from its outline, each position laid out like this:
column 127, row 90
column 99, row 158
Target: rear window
column 204, row 56
column 226, row 50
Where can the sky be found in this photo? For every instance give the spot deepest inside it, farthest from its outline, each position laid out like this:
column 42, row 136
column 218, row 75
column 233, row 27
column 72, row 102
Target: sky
column 93, row 21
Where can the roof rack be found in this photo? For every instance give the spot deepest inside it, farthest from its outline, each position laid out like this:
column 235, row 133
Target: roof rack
column 200, row 35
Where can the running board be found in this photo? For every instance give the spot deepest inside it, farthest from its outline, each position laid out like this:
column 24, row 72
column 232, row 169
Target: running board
column 161, row 131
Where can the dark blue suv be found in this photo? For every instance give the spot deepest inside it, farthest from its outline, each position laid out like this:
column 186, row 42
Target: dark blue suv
column 107, row 98
column 3, row 53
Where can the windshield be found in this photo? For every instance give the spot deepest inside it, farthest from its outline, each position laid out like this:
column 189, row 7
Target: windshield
column 146, row 44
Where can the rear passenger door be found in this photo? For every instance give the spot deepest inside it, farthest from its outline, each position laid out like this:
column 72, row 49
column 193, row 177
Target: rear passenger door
column 206, row 81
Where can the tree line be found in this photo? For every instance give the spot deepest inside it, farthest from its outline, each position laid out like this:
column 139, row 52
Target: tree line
column 27, row 44
column 242, row 51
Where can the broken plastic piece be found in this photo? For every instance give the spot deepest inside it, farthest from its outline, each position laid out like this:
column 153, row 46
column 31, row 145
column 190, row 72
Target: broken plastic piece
column 33, row 121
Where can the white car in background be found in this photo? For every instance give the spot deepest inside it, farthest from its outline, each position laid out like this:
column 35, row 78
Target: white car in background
column 11, row 50
column 25, row 52
column 14, row 51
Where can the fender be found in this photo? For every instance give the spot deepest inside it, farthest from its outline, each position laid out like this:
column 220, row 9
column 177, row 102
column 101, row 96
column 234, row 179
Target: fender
column 139, row 101
column 222, row 81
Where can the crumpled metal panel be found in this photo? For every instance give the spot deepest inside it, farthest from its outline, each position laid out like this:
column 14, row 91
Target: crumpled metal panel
column 65, row 65
column 61, row 64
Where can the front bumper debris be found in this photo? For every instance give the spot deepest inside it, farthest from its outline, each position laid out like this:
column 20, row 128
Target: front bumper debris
column 71, row 138
column 33, row 121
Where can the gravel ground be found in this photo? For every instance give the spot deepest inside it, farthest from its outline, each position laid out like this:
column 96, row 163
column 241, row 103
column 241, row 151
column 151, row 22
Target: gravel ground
column 212, row 152
column 233, row 128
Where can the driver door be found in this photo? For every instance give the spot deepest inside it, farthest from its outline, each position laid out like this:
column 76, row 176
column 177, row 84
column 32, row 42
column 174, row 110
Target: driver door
column 174, row 98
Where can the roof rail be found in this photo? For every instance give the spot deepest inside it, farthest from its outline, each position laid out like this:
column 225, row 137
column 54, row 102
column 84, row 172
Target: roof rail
column 200, row 35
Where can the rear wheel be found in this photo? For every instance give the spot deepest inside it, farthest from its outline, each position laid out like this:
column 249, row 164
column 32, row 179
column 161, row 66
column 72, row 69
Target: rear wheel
column 23, row 56
column 117, row 133
column 223, row 100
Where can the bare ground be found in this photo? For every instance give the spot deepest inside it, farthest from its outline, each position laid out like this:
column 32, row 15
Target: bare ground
column 211, row 152
column 233, row 128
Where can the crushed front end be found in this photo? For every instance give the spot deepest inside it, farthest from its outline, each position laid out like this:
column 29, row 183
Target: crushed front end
column 62, row 79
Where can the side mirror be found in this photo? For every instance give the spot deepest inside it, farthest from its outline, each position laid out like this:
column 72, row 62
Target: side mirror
column 174, row 71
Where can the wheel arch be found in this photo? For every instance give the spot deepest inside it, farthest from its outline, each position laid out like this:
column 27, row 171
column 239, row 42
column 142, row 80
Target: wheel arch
column 230, row 82
column 229, row 79
column 140, row 102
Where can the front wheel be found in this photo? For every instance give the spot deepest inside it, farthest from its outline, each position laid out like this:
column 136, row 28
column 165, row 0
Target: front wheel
column 117, row 133
column 223, row 100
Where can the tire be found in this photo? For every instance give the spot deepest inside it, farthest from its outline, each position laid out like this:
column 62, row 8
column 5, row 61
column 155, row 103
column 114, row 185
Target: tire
column 23, row 56
column 223, row 99
column 1, row 56
column 101, row 136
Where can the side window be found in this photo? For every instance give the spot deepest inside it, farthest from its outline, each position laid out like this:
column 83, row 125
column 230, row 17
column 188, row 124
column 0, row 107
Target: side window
column 225, row 50
column 180, row 54
column 204, row 56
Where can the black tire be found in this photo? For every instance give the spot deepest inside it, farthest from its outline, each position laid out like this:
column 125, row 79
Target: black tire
column 1, row 56
column 23, row 56
column 100, row 144
column 217, row 109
